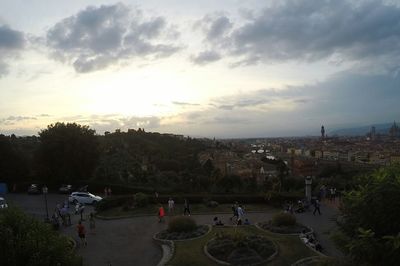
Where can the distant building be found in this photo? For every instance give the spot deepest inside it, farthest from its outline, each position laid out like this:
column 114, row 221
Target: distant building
column 322, row 132
column 394, row 130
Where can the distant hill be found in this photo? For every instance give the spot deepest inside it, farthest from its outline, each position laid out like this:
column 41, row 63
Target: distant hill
column 361, row 131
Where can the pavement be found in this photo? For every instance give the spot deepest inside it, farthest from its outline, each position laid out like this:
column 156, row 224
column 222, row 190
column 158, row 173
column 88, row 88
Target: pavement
column 129, row 241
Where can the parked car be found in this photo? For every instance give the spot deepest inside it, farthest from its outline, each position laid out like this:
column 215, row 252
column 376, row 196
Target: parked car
column 3, row 203
column 65, row 189
column 83, row 198
column 34, row 189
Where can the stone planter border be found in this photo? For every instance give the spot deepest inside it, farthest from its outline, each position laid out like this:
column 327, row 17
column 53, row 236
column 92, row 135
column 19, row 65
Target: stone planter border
column 186, row 239
column 205, row 249
column 305, row 260
column 283, row 234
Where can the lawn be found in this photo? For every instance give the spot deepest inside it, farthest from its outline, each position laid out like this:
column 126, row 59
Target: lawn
column 191, row 252
column 195, row 209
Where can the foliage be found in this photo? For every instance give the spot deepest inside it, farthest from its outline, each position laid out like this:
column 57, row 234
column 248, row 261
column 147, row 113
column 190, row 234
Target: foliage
column 371, row 220
column 112, row 202
column 141, row 199
column 181, row 224
column 14, row 157
column 68, row 152
column 26, row 241
column 283, row 219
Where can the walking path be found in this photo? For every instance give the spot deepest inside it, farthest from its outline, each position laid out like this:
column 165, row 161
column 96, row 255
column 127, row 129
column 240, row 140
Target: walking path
column 129, row 241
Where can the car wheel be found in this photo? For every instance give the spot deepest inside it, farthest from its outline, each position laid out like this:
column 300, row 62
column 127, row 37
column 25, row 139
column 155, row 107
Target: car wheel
column 75, row 201
column 94, row 202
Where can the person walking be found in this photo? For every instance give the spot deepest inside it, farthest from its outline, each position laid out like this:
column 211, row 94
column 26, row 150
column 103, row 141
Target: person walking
column 186, row 207
column 92, row 223
column 317, row 207
column 161, row 214
column 81, row 233
column 171, row 206
column 240, row 213
column 234, row 211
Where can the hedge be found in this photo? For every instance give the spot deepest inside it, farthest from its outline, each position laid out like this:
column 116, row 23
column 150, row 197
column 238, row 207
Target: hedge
column 275, row 199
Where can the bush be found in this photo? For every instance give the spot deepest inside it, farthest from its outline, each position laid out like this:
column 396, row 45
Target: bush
column 27, row 241
column 283, row 219
column 112, row 202
column 141, row 199
column 181, row 224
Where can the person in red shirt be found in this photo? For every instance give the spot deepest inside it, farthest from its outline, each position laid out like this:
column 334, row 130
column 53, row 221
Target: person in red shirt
column 161, row 214
column 81, row 232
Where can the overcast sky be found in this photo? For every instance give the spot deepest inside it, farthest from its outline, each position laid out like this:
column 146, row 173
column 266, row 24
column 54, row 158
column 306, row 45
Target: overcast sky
column 201, row 68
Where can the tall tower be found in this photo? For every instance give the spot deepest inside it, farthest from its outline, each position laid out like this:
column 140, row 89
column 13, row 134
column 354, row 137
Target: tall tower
column 373, row 132
column 322, row 132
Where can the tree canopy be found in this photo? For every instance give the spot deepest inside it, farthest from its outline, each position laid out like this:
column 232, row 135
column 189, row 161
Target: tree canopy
column 371, row 219
column 68, row 152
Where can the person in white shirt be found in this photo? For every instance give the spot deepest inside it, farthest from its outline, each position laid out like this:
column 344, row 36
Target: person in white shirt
column 240, row 212
column 171, row 206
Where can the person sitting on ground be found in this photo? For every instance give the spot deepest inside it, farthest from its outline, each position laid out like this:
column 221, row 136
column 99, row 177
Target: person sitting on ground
column 217, row 221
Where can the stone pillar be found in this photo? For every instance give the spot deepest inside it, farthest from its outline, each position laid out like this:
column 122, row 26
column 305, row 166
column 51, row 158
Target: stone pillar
column 308, row 181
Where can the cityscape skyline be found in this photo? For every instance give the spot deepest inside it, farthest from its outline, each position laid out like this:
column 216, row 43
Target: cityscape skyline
column 225, row 69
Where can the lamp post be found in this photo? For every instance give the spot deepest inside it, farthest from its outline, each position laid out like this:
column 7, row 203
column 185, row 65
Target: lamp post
column 45, row 190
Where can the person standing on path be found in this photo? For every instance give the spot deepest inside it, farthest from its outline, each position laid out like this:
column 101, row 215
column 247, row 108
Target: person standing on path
column 81, row 233
column 186, row 207
column 317, row 206
column 171, row 206
column 240, row 213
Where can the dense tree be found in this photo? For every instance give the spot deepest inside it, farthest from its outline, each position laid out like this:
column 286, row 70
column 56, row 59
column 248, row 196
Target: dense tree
column 68, row 152
column 13, row 162
column 26, row 241
column 371, row 220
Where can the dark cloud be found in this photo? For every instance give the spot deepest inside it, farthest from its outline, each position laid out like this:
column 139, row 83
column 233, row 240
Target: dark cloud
column 205, row 57
column 12, row 120
column 11, row 42
column 310, row 30
column 98, row 37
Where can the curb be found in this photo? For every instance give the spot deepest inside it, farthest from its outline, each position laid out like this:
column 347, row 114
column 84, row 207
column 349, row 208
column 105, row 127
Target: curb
column 270, row 258
column 308, row 259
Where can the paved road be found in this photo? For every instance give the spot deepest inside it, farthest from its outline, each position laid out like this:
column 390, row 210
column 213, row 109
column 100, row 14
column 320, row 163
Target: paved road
column 129, row 241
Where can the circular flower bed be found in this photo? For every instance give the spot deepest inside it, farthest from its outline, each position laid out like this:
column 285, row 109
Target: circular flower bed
column 182, row 227
column 284, row 223
column 168, row 235
column 240, row 249
column 284, row 229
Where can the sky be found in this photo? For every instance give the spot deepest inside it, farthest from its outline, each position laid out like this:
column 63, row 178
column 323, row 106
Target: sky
column 225, row 69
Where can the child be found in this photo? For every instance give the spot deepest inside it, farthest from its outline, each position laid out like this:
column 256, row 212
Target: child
column 161, row 214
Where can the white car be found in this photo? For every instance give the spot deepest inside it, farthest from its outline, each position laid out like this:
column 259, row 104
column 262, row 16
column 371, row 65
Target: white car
column 3, row 203
column 84, row 198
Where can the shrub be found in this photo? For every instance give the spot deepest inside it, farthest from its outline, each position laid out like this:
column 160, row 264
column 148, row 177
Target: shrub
column 283, row 219
column 141, row 199
column 182, row 224
column 112, row 202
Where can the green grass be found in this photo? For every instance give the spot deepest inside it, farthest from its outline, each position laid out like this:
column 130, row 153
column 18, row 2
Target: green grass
column 191, row 252
column 195, row 208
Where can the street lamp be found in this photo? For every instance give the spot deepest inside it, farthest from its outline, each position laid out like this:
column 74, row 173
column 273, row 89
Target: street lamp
column 45, row 190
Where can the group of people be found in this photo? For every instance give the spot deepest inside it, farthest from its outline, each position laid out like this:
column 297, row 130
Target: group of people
column 238, row 213
column 62, row 216
column 171, row 209
column 107, row 192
